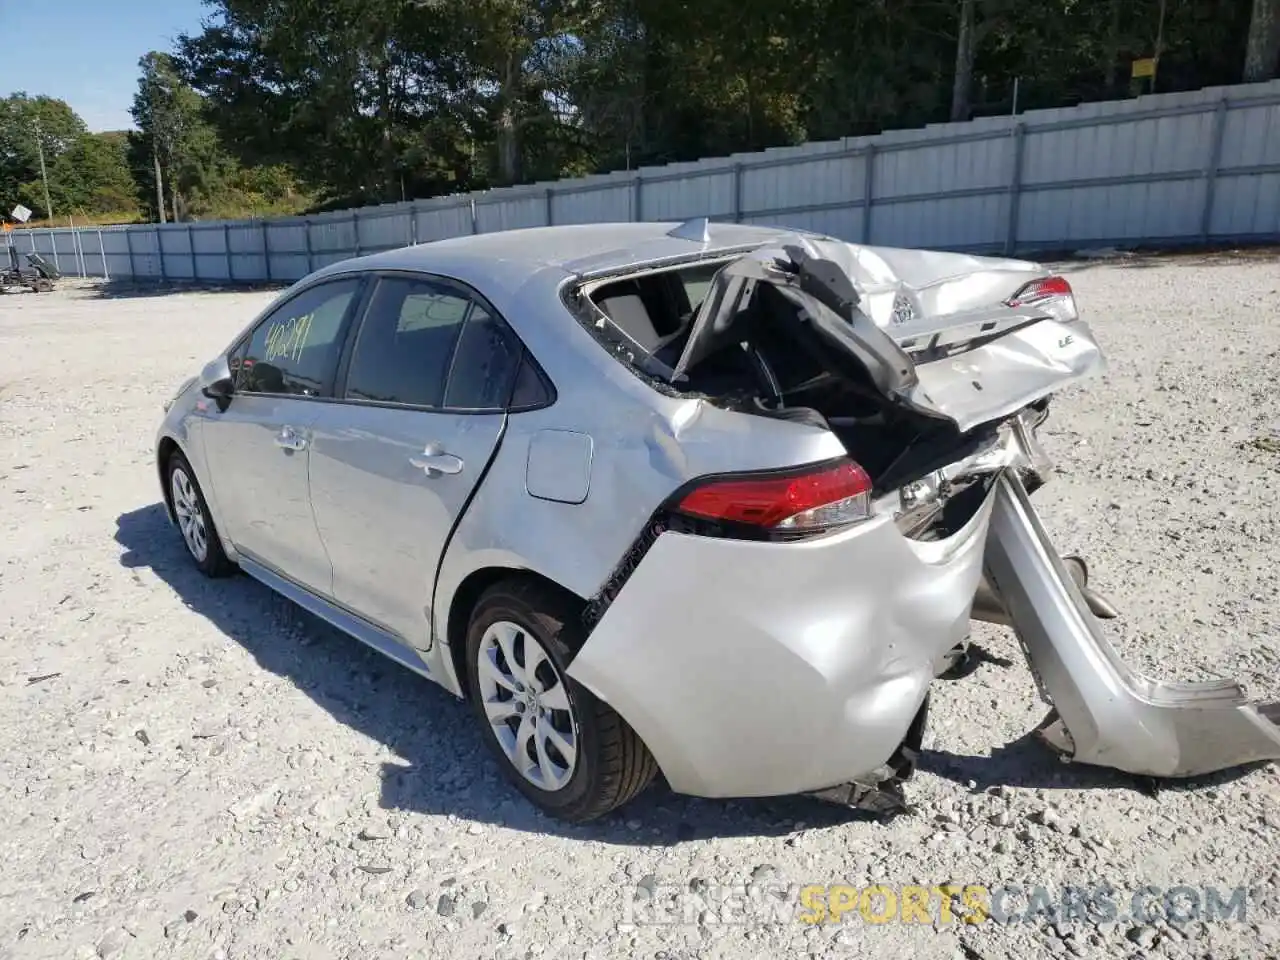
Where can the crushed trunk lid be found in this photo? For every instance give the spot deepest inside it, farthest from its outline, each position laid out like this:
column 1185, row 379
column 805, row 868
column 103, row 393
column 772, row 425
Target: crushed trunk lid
column 933, row 332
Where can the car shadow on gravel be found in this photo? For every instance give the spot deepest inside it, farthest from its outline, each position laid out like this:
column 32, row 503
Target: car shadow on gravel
column 444, row 766
column 1028, row 764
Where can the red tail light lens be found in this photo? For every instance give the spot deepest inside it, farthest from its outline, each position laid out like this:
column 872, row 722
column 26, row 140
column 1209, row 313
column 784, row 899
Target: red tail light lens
column 830, row 496
column 1041, row 289
column 1053, row 295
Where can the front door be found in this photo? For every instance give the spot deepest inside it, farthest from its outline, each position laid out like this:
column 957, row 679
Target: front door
column 259, row 447
column 421, row 412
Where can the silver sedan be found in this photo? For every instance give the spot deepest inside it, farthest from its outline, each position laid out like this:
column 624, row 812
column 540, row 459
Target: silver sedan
column 711, row 500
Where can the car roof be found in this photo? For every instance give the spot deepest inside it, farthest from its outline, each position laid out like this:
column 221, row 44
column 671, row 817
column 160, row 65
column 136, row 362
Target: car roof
column 576, row 249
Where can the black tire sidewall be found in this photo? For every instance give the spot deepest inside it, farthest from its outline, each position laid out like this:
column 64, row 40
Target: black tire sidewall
column 581, row 791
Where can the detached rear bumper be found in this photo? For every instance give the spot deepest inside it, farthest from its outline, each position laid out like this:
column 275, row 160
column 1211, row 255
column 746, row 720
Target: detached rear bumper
column 1105, row 713
column 762, row 669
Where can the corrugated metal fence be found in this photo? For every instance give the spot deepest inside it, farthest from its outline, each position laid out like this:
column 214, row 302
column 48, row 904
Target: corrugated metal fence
column 1160, row 170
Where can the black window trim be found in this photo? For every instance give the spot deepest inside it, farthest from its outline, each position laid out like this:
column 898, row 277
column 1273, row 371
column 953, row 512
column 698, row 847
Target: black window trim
column 355, row 308
column 373, row 278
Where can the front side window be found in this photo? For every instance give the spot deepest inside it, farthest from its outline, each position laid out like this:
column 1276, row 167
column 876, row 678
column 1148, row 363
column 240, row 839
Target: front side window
column 295, row 349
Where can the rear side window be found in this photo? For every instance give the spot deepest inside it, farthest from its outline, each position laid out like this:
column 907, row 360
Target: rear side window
column 531, row 390
column 484, row 364
column 406, row 342
column 294, row 350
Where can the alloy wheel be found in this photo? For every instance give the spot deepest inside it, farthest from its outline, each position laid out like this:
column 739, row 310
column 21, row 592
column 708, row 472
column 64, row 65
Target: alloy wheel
column 527, row 705
column 190, row 514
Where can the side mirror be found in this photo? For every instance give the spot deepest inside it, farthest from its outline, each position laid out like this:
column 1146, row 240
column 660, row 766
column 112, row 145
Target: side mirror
column 216, row 382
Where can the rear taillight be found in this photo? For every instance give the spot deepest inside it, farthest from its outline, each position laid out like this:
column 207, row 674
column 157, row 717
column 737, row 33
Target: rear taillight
column 1053, row 295
column 816, row 500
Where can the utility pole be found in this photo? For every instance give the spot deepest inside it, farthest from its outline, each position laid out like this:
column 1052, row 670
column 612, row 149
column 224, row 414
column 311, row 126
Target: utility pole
column 44, row 174
column 1159, row 43
column 155, row 155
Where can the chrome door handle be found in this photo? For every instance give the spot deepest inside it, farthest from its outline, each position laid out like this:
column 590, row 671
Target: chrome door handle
column 289, row 439
column 434, row 460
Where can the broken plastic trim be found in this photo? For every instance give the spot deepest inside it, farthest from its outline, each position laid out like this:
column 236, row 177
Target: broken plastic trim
column 882, row 794
column 1106, row 713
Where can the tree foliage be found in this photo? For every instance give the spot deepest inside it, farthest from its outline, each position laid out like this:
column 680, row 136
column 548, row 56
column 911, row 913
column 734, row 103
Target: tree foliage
column 275, row 104
column 28, row 125
column 387, row 98
column 177, row 143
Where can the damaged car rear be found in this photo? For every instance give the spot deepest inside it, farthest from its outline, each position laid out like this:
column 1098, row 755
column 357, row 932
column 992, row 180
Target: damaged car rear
column 800, row 615
column 742, row 495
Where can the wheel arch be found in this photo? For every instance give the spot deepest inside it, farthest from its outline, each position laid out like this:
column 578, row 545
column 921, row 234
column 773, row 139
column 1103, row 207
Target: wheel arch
column 468, row 594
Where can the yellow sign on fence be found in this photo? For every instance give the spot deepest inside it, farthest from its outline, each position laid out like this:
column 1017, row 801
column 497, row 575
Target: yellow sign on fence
column 1146, row 67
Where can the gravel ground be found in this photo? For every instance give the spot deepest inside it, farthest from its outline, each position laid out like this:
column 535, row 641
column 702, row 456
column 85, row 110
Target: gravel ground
column 196, row 769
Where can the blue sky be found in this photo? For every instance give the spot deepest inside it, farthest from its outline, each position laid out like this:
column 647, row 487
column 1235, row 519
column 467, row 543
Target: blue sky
column 86, row 52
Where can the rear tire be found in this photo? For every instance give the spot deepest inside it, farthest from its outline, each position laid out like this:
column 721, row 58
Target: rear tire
column 570, row 754
column 195, row 521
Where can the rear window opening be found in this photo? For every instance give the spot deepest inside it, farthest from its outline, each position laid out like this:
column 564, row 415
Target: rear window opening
column 771, row 366
column 656, row 309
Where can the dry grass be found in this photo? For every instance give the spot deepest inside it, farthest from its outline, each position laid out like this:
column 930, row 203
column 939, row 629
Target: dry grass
column 84, row 220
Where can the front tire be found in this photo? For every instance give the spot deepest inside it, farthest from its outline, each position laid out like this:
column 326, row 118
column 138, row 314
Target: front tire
column 565, row 750
column 195, row 522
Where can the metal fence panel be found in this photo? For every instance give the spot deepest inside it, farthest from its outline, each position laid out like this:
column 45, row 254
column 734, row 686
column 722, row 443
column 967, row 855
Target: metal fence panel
column 287, row 245
column 145, row 246
column 174, row 245
column 835, row 222
column 1247, row 206
column 437, row 223
column 1252, row 136
column 247, row 250
column 384, row 231
column 974, row 223
column 698, row 195
column 603, row 203
column 819, row 182
column 1185, row 167
column 510, row 214
column 981, row 164
column 116, row 244
column 333, row 236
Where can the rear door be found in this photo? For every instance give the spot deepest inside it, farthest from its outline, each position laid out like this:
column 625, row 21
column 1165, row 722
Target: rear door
column 419, row 411
column 259, row 446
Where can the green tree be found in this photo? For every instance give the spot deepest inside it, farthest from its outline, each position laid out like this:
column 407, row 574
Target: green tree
column 372, row 100
column 362, row 94
column 173, row 133
column 92, row 176
column 28, row 124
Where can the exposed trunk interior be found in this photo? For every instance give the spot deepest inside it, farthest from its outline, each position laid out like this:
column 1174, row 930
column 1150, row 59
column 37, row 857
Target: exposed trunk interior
column 770, row 365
